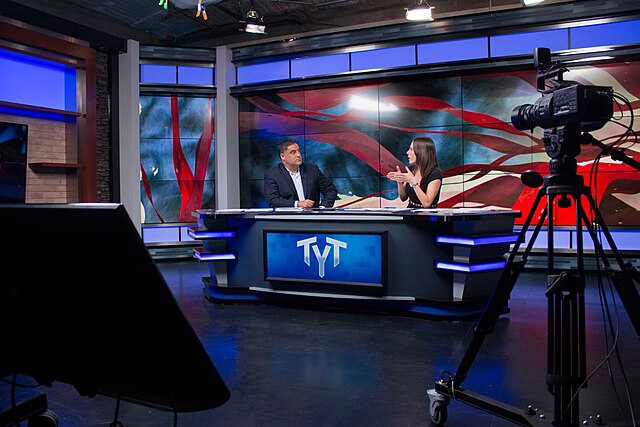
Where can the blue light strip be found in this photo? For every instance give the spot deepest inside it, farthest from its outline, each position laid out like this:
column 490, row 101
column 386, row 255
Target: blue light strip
column 469, row 268
column 476, row 241
column 27, row 112
column 206, row 234
column 214, row 257
column 500, row 45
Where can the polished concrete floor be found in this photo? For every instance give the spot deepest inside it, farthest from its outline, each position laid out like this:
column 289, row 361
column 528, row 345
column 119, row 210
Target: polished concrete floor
column 287, row 366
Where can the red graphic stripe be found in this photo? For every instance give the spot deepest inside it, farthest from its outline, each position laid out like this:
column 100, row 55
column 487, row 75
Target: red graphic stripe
column 180, row 165
column 203, row 150
column 147, row 189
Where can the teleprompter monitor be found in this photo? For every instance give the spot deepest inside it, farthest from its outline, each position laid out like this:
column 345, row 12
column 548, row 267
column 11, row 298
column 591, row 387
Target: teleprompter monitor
column 82, row 302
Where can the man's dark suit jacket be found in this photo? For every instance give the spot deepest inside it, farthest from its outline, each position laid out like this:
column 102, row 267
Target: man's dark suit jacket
column 280, row 191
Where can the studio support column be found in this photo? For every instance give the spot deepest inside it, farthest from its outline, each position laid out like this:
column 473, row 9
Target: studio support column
column 227, row 146
column 129, row 131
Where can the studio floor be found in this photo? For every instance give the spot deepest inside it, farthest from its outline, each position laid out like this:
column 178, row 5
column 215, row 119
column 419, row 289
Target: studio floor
column 287, row 366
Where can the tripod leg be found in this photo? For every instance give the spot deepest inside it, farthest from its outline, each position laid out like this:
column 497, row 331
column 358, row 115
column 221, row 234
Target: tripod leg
column 451, row 385
column 523, row 232
column 623, row 277
column 501, row 293
column 566, row 369
column 566, row 343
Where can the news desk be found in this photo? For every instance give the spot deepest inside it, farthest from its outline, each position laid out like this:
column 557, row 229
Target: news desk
column 435, row 262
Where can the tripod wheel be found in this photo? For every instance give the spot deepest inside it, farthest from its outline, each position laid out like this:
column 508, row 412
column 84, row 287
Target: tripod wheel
column 438, row 407
column 45, row 419
column 439, row 414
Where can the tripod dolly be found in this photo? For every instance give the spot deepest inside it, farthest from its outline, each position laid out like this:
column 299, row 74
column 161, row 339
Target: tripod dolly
column 566, row 349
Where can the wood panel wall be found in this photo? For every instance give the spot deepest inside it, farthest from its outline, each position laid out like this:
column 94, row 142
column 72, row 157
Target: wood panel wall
column 64, row 149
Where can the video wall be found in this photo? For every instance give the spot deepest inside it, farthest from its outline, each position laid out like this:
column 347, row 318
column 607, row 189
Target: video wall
column 13, row 162
column 358, row 133
column 176, row 157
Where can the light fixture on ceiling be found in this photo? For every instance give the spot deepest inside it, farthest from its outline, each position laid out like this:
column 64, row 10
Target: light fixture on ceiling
column 255, row 22
column 201, row 11
column 528, row 3
column 419, row 10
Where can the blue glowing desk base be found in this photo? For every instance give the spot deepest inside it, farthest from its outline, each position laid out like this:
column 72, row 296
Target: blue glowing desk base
column 391, row 305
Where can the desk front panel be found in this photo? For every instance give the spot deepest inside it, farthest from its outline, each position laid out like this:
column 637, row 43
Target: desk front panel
column 407, row 259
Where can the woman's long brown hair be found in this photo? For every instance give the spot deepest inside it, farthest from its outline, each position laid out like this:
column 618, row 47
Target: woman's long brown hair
column 426, row 157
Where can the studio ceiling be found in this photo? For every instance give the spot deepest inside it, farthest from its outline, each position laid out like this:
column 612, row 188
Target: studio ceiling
column 149, row 23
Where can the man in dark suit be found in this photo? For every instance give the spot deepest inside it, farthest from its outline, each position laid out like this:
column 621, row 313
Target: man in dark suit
column 294, row 184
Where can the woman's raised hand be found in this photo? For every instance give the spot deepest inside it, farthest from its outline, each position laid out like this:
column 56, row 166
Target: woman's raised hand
column 396, row 175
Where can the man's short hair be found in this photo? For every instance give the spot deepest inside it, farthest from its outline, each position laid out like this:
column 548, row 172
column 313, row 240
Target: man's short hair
column 284, row 144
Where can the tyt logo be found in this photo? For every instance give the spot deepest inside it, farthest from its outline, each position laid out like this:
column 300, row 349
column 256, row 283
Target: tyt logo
column 309, row 244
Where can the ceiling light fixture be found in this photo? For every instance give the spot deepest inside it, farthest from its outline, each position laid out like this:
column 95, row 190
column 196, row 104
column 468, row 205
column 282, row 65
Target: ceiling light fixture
column 419, row 10
column 255, row 22
column 528, row 3
column 201, row 11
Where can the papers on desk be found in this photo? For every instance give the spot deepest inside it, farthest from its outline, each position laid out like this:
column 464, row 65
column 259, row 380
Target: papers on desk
column 258, row 210
column 237, row 211
column 430, row 210
column 478, row 210
column 458, row 211
column 289, row 209
column 385, row 209
column 229, row 211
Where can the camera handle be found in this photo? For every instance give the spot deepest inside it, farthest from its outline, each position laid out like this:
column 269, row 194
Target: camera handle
column 566, row 355
column 613, row 152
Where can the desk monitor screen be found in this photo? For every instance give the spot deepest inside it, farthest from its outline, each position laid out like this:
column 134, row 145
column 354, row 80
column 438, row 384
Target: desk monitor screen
column 82, row 302
column 340, row 258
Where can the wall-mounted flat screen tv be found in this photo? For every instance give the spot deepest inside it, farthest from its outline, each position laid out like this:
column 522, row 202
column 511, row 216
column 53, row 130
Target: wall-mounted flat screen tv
column 13, row 162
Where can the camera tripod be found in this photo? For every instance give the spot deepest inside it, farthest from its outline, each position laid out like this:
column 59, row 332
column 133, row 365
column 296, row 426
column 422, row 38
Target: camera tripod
column 566, row 349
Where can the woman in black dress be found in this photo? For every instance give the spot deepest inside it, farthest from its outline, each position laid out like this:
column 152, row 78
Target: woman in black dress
column 420, row 184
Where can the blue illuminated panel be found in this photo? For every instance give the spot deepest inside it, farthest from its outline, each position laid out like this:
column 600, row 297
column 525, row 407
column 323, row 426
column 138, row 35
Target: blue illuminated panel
column 622, row 239
column 161, row 234
column 195, row 75
column 615, row 33
column 470, row 268
column 36, row 82
column 258, row 73
column 383, row 58
column 28, row 112
column 454, row 50
column 162, row 74
column 320, row 65
column 184, row 234
column 208, row 234
column 336, row 258
column 526, row 43
column 476, row 241
column 204, row 256
column 561, row 239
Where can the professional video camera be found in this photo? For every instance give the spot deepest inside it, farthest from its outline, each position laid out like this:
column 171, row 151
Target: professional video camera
column 565, row 110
